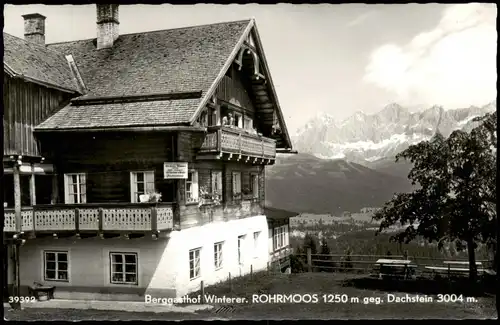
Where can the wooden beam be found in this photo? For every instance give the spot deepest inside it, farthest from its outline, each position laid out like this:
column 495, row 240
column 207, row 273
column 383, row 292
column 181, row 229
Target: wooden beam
column 32, row 186
column 209, row 157
column 136, row 98
column 17, row 199
column 55, row 190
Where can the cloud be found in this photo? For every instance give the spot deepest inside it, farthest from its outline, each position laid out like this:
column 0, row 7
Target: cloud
column 361, row 18
column 452, row 65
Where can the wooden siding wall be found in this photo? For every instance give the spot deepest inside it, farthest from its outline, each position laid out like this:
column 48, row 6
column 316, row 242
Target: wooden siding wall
column 26, row 105
column 108, row 159
column 235, row 90
column 191, row 214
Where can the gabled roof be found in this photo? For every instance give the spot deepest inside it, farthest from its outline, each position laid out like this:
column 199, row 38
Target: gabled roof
column 38, row 64
column 166, row 61
column 158, row 63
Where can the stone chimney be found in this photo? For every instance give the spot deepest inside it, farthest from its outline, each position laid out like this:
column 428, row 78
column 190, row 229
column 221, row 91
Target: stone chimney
column 107, row 25
column 34, row 28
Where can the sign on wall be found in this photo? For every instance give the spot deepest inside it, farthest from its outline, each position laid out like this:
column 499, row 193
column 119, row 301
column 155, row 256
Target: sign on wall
column 175, row 170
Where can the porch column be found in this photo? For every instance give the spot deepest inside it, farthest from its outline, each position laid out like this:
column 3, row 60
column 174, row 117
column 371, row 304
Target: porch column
column 32, row 186
column 17, row 198
column 18, row 217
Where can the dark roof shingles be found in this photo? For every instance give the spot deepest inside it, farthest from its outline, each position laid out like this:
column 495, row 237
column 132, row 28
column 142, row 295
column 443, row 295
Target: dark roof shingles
column 121, row 115
column 168, row 61
column 37, row 62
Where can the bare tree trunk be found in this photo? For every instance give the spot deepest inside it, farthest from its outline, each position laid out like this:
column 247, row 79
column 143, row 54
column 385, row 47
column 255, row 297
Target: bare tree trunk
column 472, row 261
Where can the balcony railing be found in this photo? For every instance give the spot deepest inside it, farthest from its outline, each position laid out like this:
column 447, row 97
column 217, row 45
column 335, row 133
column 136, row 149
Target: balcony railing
column 223, row 139
column 142, row 217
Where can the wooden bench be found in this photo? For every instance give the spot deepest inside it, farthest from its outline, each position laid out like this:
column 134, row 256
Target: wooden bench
column 38, row 288
column 395, row 268
column 452, row 270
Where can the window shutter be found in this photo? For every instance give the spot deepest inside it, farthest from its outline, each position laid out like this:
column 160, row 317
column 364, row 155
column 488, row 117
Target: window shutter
column 213, row 175
column 83, row 188
column 255, row 186
column 234, row 183
column 238, row 180
column 66, row 189
column 149, row 178
column 133, row 187
column 194, row 185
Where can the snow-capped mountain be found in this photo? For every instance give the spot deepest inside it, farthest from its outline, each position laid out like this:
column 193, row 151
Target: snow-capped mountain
column 364, row 138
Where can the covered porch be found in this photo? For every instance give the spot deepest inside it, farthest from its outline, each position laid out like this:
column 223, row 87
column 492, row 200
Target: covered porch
column 32, row 205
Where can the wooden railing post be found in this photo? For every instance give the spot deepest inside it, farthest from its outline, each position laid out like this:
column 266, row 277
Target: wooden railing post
column 239, row 143
column 309, row 260
column 77, row 220
column 154, row 219
column 219, row 140
column 32, row 186
column 101, row 221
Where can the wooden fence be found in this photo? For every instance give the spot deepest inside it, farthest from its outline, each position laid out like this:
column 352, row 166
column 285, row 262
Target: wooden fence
column 364, row 264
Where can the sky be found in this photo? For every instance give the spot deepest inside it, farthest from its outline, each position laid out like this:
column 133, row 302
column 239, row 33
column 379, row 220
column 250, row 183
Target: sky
column 333, row 59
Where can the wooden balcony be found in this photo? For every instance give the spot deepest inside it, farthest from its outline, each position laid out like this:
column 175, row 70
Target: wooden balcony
column 93, row 218
column 223, row 142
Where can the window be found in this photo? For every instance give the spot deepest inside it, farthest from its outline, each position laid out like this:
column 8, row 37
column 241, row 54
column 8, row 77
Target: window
column 75, row 188
column 218, row 255
column 213, row 116
column 56, row 266
column 192, row 187
column 236, row 184
column 280, row 239
column 238, row 120
column 141, row 183
column 123, row 268
column 254, row 185
column 194, row 263
column 216, row 182
column 248, row 123
column 203, row 118
column 256, row 243
column 241, row 242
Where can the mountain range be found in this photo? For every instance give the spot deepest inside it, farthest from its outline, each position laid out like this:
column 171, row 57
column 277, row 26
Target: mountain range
column 307, row 184
column 366, row 138
column 350, row 165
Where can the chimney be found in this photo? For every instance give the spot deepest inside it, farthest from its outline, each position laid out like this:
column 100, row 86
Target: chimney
column 34, row 28
column 107, row 25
